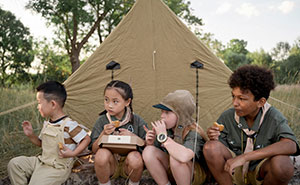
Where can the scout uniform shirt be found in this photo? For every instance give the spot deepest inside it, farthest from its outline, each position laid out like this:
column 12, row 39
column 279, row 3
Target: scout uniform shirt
column 136, row 127
column 273, row 128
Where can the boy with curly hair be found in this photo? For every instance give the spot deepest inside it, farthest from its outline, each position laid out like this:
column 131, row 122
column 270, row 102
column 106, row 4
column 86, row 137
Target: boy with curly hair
column 255, row 145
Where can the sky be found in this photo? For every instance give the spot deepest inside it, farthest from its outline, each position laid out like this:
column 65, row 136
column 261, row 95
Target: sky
column 262, row 23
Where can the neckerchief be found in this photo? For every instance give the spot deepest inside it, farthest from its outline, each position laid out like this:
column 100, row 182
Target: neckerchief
column 126, row 119
column 250, row 133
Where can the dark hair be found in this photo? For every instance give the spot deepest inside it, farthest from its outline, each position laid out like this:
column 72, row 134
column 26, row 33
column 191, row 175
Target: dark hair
column 259, row 80
column 53, row 91
column 123, row 89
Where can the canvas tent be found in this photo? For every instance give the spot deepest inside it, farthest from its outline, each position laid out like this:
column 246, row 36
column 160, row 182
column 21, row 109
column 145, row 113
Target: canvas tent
column 155, row 50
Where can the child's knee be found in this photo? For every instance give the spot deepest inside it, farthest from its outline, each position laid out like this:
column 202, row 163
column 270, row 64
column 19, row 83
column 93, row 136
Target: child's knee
column 282, row 167
column 211, row 148
column 14, row 162
column 102, row 156
column 135, row 159
column 148, row 153
column 11, row 164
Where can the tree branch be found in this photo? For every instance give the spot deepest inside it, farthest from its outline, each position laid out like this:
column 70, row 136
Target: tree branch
column 68, row 34
column 93, row 28
column 75, row 29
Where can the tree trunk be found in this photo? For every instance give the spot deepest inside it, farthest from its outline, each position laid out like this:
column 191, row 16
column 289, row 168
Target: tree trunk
column 74, row 58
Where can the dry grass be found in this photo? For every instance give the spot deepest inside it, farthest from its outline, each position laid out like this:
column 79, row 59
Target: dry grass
column 289, row 105
column 12, row 140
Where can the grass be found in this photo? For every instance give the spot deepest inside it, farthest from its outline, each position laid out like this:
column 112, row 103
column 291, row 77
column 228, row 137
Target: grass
column 289, row 105
column 12, row 140
column 14, row 143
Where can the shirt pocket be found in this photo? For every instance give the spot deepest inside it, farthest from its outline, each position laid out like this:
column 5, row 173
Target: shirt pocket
column 50, row 132
column 263, row 140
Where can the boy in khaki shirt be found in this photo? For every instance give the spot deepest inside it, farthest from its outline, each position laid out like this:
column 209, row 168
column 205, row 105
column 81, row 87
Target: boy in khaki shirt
column 61, row 140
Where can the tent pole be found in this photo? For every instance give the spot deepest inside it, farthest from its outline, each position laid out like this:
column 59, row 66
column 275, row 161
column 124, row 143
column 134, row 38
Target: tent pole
column 198, row 65
column 197, row 93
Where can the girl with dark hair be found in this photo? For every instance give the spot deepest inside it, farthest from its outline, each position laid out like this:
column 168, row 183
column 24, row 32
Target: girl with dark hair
column 118, row 119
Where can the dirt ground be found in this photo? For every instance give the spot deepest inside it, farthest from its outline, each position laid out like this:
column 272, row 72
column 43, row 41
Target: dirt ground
column 85, row 175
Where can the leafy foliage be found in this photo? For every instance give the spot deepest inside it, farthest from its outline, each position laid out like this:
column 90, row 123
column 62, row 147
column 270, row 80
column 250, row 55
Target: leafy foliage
column 15, row 49
column 281, row 51
column 209, row 40
column 54, row 64
column 284, row 59
column 261, row 58
column 288, row 70
column 286, row 65
column 235, row 54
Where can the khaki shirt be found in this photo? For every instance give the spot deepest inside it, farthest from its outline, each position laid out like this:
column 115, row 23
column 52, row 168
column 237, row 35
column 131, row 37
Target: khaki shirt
column 273, row 128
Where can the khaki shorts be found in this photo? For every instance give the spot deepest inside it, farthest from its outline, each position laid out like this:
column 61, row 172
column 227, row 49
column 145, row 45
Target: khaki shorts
column 251, row 175
column 120, row 169
column 198, row 177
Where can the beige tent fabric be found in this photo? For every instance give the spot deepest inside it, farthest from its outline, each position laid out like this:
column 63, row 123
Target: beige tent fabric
column 155, row 50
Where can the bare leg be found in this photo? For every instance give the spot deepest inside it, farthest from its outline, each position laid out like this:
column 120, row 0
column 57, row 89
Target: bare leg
column 216, row 154
column 134, row 166
column 157, row 163
column 181, row 171
column 277, row 170
column 104, row 165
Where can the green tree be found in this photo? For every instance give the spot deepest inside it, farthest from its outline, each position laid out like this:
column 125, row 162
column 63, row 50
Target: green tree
column 281, row 51
column 287, row 71
column 15, row 49
column 296, row 47
column 54, row 64
column 76, row 20
column 208, row 39
column 235, row 54
column 234, row 60
column 261, row 58
column 238, row 46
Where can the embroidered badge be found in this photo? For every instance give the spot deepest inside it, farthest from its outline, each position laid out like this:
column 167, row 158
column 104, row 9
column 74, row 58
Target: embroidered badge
column 130, row 128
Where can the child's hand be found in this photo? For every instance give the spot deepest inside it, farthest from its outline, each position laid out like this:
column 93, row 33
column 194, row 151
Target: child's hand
column 213, row 132
column 109, row 128
column 159, row 126
column 233, row 163
column 150, row 135
column 27, row 128
column 125, row 132
column 65, row 152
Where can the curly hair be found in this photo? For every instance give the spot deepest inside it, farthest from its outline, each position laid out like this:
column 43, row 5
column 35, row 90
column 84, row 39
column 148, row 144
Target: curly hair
column 259, row 80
